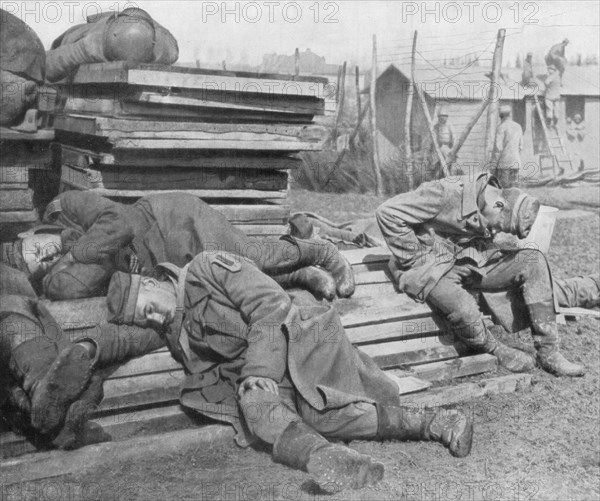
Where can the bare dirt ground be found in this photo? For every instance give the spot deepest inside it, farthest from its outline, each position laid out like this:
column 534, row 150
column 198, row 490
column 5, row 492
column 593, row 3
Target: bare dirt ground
column 538, row 444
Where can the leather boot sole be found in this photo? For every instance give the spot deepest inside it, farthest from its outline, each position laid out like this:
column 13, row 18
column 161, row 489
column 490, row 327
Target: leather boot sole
column 61, row 386
column 336, row 468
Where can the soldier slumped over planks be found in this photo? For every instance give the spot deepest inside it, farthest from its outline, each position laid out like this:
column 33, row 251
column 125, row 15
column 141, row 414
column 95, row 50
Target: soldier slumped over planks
column 88, row 237
column 279, row 368
column 441, row 239
column 38, row 360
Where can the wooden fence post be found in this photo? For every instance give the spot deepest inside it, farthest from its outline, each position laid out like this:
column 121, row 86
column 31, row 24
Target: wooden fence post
column 357, row 86
column 492, row 116
column 373, row 114
column 408, row 118
column 340, row 106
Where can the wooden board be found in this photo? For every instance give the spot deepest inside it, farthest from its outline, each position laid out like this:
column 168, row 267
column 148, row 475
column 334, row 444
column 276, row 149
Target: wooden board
column 14, row 175
column 450, row 369
column 16, row 200
column 204, row 194
column 243, row 141
column 255, row 214
column 112, row 127
column 201, row 79
column 136, row 178
column 160, row 112
column 41, row 135
column 450, row 395
column 16, row 217
column 73, row 155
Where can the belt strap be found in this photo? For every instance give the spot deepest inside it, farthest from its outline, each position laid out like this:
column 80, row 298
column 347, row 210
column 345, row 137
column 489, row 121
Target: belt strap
column 177, row 336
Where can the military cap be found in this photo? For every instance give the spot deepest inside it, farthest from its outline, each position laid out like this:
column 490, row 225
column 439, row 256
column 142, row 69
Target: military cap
column 505, row 109
column 442, row 111
column 122, row 297
column 524, row 209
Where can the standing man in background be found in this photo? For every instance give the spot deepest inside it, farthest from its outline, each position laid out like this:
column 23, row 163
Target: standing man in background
column 506, row 155
column 443, row 133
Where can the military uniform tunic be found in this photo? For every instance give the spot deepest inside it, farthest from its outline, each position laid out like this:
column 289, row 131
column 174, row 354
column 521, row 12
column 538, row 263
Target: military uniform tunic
column 104, row 236
column 234, row 331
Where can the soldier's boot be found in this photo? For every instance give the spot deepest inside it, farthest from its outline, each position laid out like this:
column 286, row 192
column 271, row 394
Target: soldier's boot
column 64, row 382
column 29, row 363
column 316, row 280
column 70, row 435
column 333, row 467
column 452, row 428
column 326, row 255
column 510, row 358
column 546, row 341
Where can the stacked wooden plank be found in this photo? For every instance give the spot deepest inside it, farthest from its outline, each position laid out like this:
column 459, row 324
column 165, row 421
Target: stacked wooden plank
column 126, row 131
column 141, row 396
column 25, row 165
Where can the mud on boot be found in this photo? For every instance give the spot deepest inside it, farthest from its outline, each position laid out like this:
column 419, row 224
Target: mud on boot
column 71, row 435
column 512, row 359
column 64, row 382
column 332, row 466
column 452, row 428
column 336, row 468
column 316, row 280
column 318, row 252
column 555, row 363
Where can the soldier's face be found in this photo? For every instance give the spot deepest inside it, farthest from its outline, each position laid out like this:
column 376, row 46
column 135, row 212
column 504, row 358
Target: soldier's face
column 156, row 304
column 495, row 209
column 40, row 252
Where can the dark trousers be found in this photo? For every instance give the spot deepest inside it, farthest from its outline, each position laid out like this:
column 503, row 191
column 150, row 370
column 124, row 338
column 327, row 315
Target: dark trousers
column 453, row 297
column 267, row 415
column 80, row 280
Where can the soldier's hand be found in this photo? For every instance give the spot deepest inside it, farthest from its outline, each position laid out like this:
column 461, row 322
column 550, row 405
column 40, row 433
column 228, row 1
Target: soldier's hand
column 261, row 383
column 464, row 272
column 19, row 399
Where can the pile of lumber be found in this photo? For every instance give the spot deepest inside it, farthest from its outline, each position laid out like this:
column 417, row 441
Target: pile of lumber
column 141, row 396
column 129, row 130
column 25, row 172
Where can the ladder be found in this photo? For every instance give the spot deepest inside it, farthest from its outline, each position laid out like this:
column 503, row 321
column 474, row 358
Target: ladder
column 561, row 160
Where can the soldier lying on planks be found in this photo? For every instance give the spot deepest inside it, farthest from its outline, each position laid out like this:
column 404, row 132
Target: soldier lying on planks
column 88, row 237
column 131, row 35
column 441, row 238
column 279, row 368
column 30, row 343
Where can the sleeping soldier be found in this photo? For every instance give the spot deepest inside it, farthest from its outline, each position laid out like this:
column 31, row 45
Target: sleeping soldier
column 278, row 368
column 88, row 237
column 441, row 239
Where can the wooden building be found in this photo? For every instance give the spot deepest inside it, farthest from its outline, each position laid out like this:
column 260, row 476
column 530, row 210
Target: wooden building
column 461, row 95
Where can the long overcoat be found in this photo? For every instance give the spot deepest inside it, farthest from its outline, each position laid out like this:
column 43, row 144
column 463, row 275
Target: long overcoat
column 237, row 322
